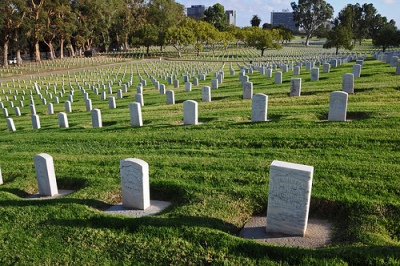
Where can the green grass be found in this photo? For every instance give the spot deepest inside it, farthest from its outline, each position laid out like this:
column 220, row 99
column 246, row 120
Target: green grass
column 215, row 174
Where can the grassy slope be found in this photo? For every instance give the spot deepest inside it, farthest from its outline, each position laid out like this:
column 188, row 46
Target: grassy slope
column 216, row 174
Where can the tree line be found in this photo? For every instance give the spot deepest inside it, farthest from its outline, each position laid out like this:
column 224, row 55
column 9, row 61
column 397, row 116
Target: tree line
column 32, row 26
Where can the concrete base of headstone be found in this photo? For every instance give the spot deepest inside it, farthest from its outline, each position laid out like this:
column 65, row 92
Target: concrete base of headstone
column 61, row 193
column 318, row 234
column 156, row 206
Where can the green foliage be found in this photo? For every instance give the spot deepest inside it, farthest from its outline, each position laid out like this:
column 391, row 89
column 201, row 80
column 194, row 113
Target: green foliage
column 310, row 14
column 339, row 37
column 387, row 36
column 255, row 21
column 215, row 15
column 262, row 39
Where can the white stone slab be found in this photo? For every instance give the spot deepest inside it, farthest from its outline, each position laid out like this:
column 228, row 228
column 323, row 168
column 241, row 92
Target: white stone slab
column 259, row 108
column 247, row 90
column 135, row 184
column 348, row 82
column 96, row 118
column 338, row 106
column 295, row 87
column 289, row 198
column 45, row 174
column 135, row 112
column 190, row 112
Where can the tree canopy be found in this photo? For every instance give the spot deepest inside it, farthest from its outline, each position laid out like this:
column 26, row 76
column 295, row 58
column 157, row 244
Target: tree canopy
column 310, row 14
column 215, row 15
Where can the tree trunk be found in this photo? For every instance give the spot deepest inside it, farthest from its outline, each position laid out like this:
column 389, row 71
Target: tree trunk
column 37, row 52
column 337, row 50
column 147, row 50
column 262, row 52
column 51, row 48
column 71, row 50
column 19, row 58
column 62, row 48
column 5, row 51
column 308, row 40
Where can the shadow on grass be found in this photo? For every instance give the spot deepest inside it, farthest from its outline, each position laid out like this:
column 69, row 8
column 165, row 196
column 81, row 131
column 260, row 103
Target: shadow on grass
column 349, row 116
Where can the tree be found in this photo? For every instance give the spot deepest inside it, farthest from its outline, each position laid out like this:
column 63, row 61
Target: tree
column 130, row 19
column 339, row 37
column 164, row 14
column 267, row 26
column 215, row 15
column 180, row 36
column 262, row 39
column 310, row 14
column 255, row 21
column 12, row 14
column 387, row 36
column 361, row 20
column 36, row 22
column 285, row 34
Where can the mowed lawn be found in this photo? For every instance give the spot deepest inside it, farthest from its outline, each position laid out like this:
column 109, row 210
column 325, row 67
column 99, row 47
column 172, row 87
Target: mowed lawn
column 215, row 174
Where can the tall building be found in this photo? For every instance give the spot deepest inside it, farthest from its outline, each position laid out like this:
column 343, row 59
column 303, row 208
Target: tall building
column 195, row 12
column 231, row 17
column 284, row 18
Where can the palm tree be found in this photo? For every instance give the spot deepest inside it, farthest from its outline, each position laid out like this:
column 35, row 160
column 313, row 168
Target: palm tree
column 255, row 21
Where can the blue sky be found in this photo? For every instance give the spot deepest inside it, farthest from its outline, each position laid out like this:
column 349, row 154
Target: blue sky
column 246, row 9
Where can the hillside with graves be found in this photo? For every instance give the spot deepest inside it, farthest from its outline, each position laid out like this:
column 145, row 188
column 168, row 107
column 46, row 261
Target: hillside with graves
column 226, row 158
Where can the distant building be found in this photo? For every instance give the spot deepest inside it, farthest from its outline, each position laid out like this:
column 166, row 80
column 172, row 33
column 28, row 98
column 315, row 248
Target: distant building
column 195, row 12
column 284, row 18
column 231, row 17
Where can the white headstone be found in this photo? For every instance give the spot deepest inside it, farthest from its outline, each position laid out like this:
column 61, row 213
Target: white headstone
column 348, row 83
column 206, row 94
column 63, row 120
column 338, row 106
column 268, row 73
column 96, row 118
column 247, row 90
column 88, row 105
column 68, row 107
column 357, row 71
column 50, row 109
column 295, row 87
column 139, row 98
column 214, row 84
column 259, row 108
column 314, row 74
column 289, row 198
column 135, row 112
column 45, row 174
column 188, row 86
column 297, row 70
column 1, row 178
column 278, row 77
column 162, row 89
column 35, row 122
column 10, row 124
column 135, row 184
column 170, row 97
column 327, row 68
column 190, row 112
column 176, row 83
column 17, row 111
column 111, row 102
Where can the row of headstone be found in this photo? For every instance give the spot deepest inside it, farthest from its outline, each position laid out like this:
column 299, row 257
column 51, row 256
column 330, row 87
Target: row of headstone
column 135, row 184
